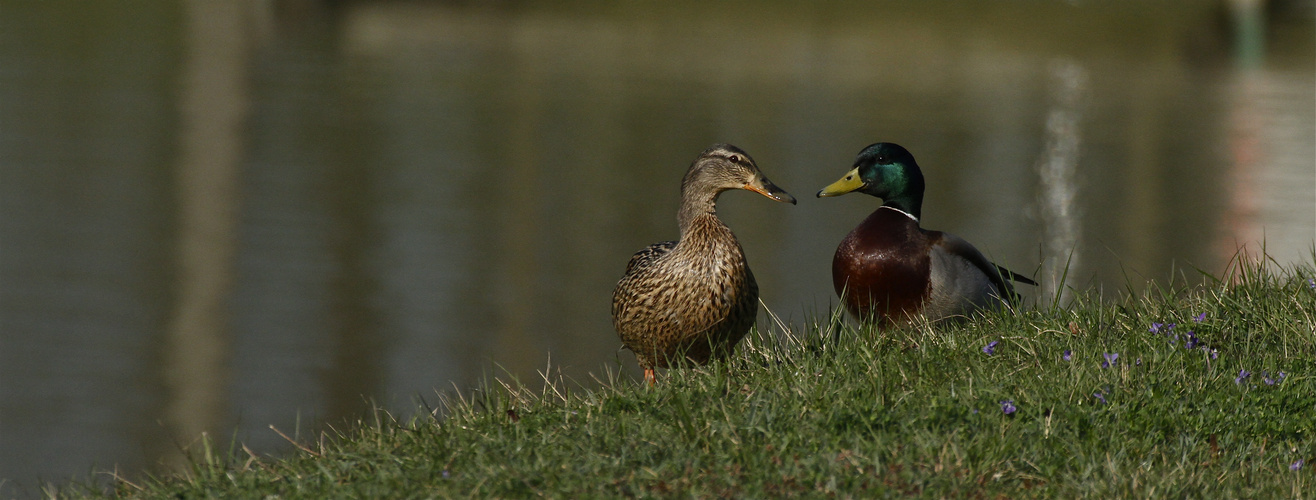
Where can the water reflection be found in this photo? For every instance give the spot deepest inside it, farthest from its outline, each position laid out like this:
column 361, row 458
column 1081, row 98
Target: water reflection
column 213, row 109
column 1057, row 208
column 306, row 207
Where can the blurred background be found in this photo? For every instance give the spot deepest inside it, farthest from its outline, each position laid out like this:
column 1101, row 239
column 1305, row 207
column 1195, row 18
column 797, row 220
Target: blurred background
column 218, row 216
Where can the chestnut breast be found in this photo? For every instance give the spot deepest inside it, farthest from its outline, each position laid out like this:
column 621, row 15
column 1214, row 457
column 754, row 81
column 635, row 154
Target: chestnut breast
column 882, row 268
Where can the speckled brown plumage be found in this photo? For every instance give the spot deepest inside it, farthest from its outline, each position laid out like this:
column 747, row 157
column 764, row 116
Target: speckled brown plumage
column 692, row 300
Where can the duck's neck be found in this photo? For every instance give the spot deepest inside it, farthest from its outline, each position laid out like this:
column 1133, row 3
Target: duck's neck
column 696, row 205
column 910, row 204
column 906, row 213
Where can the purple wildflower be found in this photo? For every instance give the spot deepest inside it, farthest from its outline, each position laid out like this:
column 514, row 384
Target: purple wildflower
column 1110, row 359
column 1279, row 377
column 1162, row 329
column 1214, row 353
column 990, row 348
column 1199, row 318
column 1100, row 396
column 1311, row 283
column 1067, row 355
column 1007, row 406
column 1242, row 375
column 1296, row 465
column 1138, row 362
column 1190, row 340
column 445, row 474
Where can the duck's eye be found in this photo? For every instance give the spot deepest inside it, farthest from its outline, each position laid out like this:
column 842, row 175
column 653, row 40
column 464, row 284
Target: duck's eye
column 734, row 158
column 881, row 159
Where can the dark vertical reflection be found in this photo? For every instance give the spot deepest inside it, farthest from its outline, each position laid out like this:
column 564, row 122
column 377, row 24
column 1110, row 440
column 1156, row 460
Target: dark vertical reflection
column 357, row 342
column 423, row 191
column 515, row 246
column 290, row 267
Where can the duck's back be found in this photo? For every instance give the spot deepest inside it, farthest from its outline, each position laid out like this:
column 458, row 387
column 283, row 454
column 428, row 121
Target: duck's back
column 645, row 258
column 962, row 279
column 691, row 300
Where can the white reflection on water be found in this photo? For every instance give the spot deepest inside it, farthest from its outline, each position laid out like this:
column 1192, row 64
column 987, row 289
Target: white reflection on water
column 1059, row 187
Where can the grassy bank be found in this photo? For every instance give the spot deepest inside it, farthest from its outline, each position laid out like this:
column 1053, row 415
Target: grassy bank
column 1100, row 399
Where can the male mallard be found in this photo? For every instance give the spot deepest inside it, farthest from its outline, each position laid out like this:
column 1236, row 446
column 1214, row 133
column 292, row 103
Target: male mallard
column 889, row 269
column 692, row 300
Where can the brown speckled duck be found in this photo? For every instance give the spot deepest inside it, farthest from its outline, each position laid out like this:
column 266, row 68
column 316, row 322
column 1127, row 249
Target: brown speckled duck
column 692, row 300
column 889, row 269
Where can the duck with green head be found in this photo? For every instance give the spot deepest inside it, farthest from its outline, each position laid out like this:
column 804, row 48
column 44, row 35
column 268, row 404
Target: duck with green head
column 889, row 270
column 693, row 299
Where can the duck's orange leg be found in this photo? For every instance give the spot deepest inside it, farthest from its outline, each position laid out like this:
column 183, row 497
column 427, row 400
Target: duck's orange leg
column 650, row 377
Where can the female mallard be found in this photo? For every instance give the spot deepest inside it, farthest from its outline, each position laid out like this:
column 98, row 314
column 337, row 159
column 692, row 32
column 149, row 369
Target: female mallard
column 889, row 269
column 692, row 300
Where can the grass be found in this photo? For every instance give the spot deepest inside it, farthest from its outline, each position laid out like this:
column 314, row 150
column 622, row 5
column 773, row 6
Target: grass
column 839, row 411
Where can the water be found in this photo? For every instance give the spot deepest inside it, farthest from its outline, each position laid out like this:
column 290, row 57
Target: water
column 226, row 218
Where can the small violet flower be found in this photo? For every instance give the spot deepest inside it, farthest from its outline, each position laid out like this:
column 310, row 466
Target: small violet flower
column 1190, row 340
column 1110, row 359
column 990, row 348
column 1100, row 396
column 1007, row 406
column 1162, row 328
column 1311, row 283
column 445, row 474
column 1199, row 318
column 1067, row 355
column 1242, row 375
column 1279, row 377
column 1296, row 465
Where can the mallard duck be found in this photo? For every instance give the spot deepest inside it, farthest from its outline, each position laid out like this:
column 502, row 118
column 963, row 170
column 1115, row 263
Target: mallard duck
column 888, row 269
column 693, row 299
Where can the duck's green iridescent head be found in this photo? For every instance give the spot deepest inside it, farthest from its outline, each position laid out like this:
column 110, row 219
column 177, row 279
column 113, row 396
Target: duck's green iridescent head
column 887, row 171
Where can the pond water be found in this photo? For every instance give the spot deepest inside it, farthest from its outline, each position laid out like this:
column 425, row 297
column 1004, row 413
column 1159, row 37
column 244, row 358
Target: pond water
column 222, row 218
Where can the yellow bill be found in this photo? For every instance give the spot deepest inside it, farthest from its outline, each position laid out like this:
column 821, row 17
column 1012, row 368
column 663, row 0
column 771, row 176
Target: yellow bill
column 849, row 183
